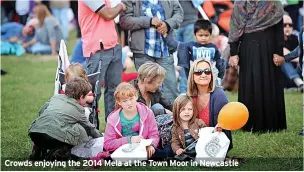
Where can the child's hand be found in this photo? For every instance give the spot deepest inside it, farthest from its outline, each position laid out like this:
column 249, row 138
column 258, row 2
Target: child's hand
column 179, row 151
column 135, row 139
column 164, row 35
column 150, row 151
column 218, row 129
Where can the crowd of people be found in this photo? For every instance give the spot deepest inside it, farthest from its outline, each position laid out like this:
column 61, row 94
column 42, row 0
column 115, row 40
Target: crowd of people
column 260, row 52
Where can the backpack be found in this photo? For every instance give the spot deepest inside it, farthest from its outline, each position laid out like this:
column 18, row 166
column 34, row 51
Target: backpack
column 164, row 124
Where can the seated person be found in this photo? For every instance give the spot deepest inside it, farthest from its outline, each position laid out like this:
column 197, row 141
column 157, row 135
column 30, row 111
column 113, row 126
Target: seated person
column 292, row 77
column 130, row 122
column 185, row 124
column 16, row 32
column 61, row 123
column 148, row 83
column 48, row 33
column 13, row 36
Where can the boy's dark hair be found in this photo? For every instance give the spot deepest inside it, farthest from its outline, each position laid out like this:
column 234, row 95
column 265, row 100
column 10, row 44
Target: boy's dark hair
column 204, row 25
column 77, row 87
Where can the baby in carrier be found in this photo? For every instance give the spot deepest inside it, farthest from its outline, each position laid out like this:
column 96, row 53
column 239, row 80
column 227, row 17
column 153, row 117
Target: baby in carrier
column 77, row 70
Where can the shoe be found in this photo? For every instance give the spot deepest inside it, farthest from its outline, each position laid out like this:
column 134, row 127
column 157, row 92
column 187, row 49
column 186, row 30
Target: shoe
column 301, row 88
column 3, row 72
column 37, row 153
column 301, row 133
column 60, row 154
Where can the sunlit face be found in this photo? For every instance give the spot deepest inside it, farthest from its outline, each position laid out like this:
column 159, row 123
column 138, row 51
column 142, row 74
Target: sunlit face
column 154, row 85
column 186, row 112
column 202, row 78
column 128, row 104
column 203, row 36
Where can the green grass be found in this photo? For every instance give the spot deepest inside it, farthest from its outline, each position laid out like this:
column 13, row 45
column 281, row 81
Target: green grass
column 30, row 83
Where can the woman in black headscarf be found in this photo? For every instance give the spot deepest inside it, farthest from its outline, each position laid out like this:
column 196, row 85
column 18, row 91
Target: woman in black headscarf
column 256, row 42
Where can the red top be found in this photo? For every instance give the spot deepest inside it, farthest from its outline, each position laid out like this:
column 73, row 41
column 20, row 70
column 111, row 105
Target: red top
column 204, row 113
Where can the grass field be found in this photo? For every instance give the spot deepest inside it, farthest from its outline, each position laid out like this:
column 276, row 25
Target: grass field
column 30, row 83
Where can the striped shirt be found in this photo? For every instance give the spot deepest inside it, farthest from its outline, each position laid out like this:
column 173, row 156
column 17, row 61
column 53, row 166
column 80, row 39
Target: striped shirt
column 154, row 43
column 189, row 139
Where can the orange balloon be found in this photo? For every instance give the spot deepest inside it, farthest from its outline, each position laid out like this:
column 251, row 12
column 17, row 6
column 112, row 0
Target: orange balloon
column 233, row 116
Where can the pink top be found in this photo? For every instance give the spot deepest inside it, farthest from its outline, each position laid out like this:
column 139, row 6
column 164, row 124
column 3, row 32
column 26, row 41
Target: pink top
column 113, row 137
column 95, row 29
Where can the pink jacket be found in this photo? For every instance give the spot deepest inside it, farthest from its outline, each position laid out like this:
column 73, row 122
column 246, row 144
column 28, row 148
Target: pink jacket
column 113, row 138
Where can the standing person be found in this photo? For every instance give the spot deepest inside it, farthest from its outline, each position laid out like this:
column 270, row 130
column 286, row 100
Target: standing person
column 208, row 99
column 74, row 7
column 257, row 47
column 23, row 9
column 185, row 34
column 146, row 20
column 96, row 21
column 60, row 10
column 201, row 48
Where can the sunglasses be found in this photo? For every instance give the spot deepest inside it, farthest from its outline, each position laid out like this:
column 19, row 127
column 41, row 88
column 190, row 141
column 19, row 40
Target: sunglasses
column 288, row 24
column 199, row 72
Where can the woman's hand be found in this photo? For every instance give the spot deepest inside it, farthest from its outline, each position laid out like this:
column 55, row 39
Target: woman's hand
column 179, row 151
column 234, row 61
column 278, row 60
column 168, row 112
column 150, row 151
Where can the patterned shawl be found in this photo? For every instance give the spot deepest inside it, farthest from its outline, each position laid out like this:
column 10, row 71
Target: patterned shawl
column 252, row 16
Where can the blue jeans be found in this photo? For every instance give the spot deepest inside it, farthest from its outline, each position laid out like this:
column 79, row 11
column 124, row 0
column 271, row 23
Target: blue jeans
column 39, row 48
column 111, row 71
column 77, row 56
column 169, row 87
column 290, row 71
column 62, row 16
column 184, row 34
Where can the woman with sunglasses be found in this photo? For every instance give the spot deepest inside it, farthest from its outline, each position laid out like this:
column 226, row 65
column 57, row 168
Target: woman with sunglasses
column 207, row 97
column 256, row 40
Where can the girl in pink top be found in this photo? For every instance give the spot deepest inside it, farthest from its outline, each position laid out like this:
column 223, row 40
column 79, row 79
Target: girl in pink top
column 136, row 117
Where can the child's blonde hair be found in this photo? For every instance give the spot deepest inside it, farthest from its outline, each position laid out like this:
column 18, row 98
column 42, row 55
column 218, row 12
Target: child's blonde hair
column 124, row 91
column 75, row 70
column 180, row 102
